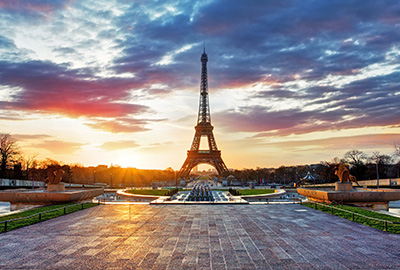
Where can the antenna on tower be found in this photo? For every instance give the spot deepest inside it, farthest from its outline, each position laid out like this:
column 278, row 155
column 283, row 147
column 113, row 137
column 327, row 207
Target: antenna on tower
column 204, row 48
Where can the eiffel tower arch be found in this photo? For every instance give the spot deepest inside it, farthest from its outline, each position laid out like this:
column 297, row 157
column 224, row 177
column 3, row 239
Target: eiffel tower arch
column 204, row 129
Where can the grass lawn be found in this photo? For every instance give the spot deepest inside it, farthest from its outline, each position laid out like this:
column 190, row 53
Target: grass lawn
column 154, row 192
column 44, row 216
column 392, row 228
column 256, row 191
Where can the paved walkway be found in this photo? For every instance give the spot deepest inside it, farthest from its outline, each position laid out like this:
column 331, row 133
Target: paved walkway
column 199, row 237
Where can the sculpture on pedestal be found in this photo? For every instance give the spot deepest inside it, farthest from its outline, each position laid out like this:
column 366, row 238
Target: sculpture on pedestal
column 53, row 179
column 54, row 176
column 343, row 173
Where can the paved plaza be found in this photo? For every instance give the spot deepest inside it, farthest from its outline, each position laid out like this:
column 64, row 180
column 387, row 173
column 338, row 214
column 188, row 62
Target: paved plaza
column 199, row 237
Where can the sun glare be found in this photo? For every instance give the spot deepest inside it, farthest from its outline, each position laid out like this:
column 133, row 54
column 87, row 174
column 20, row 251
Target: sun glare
column 126, row 160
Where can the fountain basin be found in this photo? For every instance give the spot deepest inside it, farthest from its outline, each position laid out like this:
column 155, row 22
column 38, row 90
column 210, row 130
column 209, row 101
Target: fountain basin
column 27, row 198
column 375, row 198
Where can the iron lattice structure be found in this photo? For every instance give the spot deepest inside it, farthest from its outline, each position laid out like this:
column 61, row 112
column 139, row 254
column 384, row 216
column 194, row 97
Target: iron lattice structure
column 196, row 156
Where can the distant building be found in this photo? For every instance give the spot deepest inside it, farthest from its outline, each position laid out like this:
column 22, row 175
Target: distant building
column 308, row 179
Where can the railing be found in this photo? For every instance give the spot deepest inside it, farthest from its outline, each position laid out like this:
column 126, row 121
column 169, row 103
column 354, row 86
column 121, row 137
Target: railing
column 332, row 208
column 6, row 222
column 20, row 183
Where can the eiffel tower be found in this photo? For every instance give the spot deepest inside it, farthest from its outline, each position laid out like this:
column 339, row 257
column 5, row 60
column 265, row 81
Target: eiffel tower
column 196, row 156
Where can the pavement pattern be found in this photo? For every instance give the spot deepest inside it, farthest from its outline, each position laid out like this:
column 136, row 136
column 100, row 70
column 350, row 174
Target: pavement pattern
column 199, row 237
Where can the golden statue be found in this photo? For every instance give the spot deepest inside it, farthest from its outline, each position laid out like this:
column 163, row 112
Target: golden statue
column 343, row 173
column 54, row 176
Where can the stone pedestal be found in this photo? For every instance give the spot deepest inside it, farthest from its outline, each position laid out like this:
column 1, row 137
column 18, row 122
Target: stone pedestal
column 56, row 187
column 346, row 186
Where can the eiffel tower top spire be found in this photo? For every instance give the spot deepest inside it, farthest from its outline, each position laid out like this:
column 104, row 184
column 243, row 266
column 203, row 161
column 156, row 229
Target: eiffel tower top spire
column 204, row 107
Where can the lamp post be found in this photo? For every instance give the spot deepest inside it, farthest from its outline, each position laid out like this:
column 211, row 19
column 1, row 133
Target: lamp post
column 377, row 173
column 176, row 180
column 94, row 177
column 111, row 174
column 313, row 176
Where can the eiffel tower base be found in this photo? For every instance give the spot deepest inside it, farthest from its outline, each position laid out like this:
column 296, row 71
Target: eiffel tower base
column 195, row 158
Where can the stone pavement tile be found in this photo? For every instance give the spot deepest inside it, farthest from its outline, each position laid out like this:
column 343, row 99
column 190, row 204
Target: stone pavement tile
column 157, row 266
column 237, row 244
column 217, row 257
column 261, row 264
column 278, row 266
column 199, row 237
column 175, row 263
column 270, row 256
column 189, row 258
column 203, row 260
column 244, row 259
column 64, row 262
column 334, row 264
column 218, row 266
column 181, row 244
column 149, row 260
column 231, row 260
column 307, row 266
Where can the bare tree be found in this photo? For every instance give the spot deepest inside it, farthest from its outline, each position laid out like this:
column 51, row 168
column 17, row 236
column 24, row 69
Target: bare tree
column 397, row 149
column 355, row 157
column 8, row 150
column 396, row 168
column 30, row 163
column 337, row 160
column 379, row 158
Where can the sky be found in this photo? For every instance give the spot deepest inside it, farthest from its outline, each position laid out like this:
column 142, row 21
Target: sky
column 117, row 81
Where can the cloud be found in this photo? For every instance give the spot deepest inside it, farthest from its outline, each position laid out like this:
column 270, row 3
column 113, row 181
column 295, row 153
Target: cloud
column 6, row 43
column 52, row 88
column 24, row 137
column 58, row 147
column 119, row 145
column 13, row 115
column 315, row 54
column 257, row 119
column 159, row 92
column 246, row 42
column 122, row 125
column 363, row 103
column 116, row 126
column 27, row 8
column 369, row 141
column 64, row 50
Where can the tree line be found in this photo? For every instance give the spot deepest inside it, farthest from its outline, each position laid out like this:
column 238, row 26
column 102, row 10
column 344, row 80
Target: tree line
column 362, row 166
column 15, row 165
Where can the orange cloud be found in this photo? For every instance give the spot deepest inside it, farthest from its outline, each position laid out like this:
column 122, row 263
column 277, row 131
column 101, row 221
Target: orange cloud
column 59, row 147
column 118, row 127
column 119, row 145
